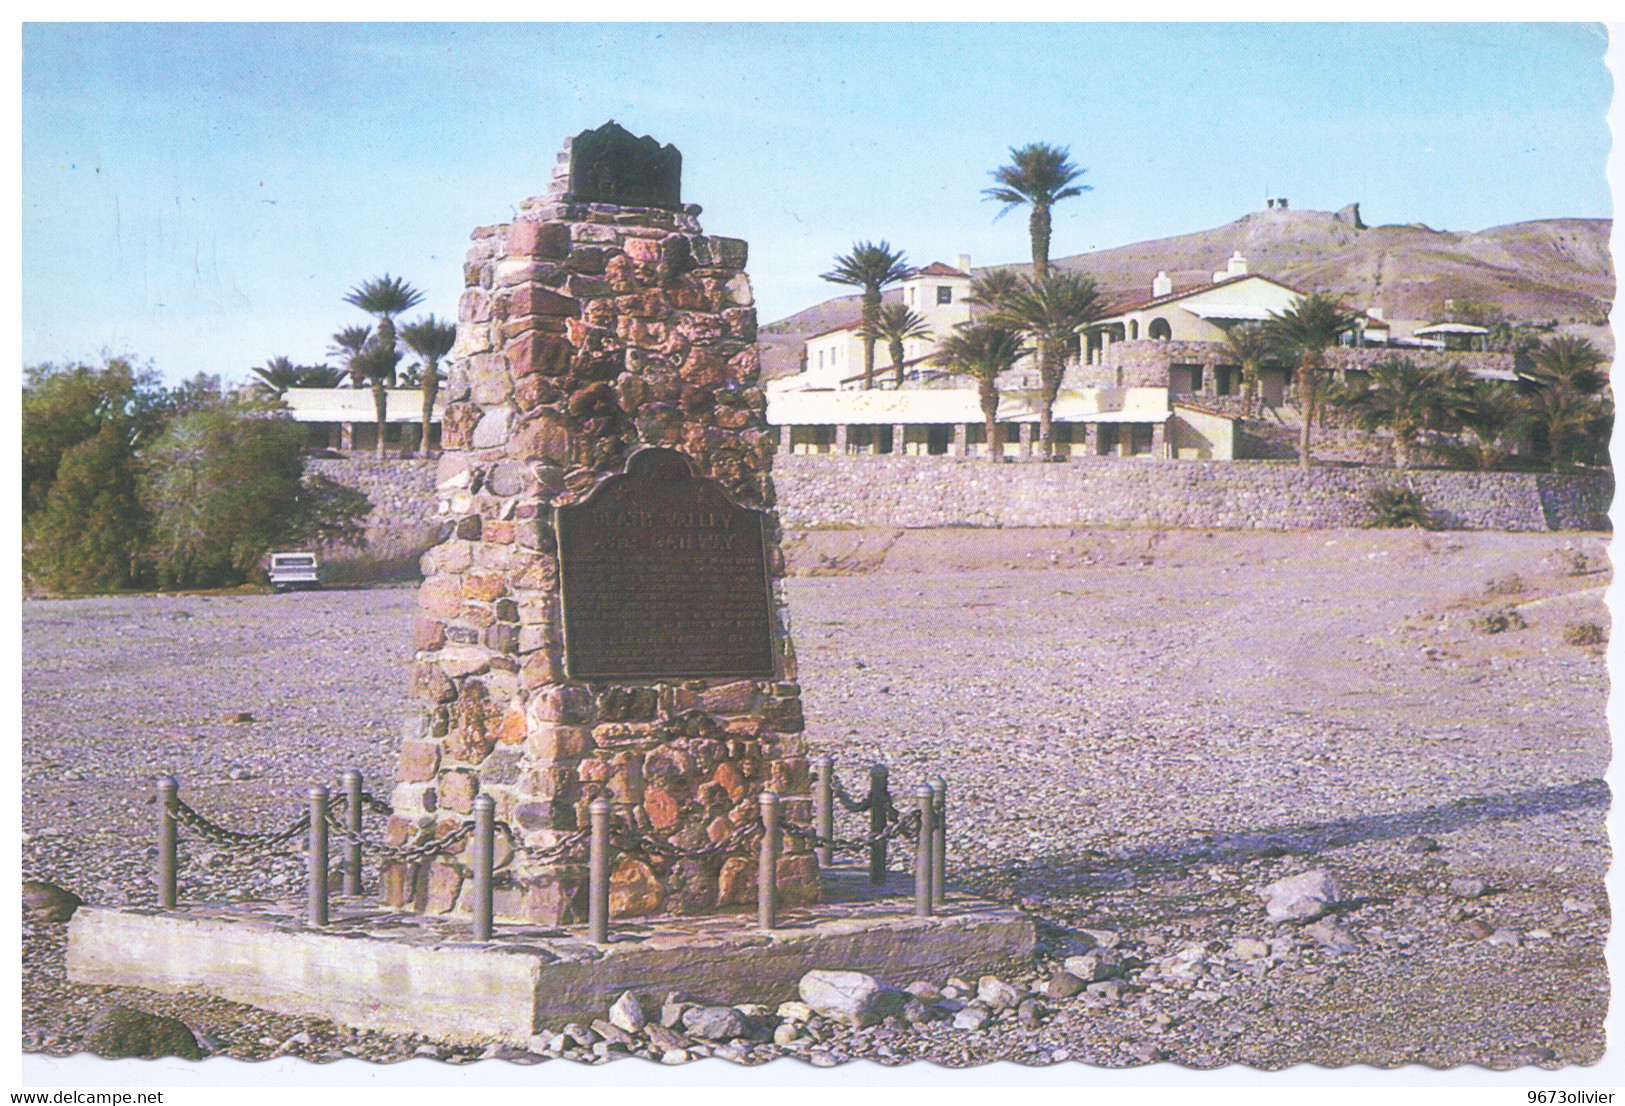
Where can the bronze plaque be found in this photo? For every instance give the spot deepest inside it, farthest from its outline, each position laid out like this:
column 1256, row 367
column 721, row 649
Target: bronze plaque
column 610, row 166
column 663, row 576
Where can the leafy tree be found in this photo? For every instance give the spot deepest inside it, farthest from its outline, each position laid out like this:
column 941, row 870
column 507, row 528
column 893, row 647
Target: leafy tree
column 1571, row 363
column 1048, row 310
column 870, row 266
column 895, row 324
column 1251, row 345
column 1041, row 176
column 982, row 351
column 87, row 533
column 1303, row 333
column 225, row 485
column 1404, row 399
column 431, row 339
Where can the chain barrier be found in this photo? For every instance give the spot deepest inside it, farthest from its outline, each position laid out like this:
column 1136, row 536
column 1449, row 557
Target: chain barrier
column 851, row 805
column 233, row 839
column 907, row 826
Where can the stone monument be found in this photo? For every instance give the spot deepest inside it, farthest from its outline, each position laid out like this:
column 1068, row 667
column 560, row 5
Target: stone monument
column 602, row 615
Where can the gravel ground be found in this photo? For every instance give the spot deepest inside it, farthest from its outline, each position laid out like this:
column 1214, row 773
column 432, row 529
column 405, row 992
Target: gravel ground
column 1139, row 731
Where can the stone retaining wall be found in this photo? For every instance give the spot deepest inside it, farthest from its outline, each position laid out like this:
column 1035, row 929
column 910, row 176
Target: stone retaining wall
column 404, row 517
column 819, row 492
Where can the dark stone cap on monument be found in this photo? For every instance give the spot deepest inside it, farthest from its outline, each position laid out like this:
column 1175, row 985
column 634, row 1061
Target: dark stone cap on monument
column 662, row 575
column 610, row 166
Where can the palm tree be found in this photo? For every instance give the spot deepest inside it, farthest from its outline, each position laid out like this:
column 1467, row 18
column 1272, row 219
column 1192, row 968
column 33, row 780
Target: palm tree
column 277, row 375
column 431, row 339
column 989, row 290
column 1047, row 309
column 1404, row 399
column 1492, row 413
column 982, row 351
column 384, row 298
column 1576, row 427
column 1304, row 332
column 894, row 325
column 318, row 376
column 347, row 344
column 376, row 364
column 870, row 266
column 1571, row 363
column 1040, row 175
column 1250, row 344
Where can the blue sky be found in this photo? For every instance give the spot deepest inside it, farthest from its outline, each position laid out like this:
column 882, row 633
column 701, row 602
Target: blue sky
column 204, row 195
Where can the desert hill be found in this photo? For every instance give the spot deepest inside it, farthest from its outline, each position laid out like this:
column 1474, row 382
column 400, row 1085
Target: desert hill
column 1549, row 269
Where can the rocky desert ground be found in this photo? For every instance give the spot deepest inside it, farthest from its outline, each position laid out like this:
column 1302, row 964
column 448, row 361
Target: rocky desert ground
column 1140, row 731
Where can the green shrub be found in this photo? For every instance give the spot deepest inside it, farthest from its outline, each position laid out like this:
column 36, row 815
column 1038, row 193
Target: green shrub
column 1394, row 507
column 1506, row 585
column 1498, row 620
column 1584, row 633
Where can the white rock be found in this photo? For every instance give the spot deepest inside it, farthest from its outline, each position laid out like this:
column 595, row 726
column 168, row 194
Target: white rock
column 851, row 998
column 995, row 993
column 1333, row 936
column 627, row 1013
column 1307, row 895
column 971, row 1017
column 794, row 1011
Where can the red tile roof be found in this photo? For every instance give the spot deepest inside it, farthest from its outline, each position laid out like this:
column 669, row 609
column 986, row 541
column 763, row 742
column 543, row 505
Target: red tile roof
column 937, row 268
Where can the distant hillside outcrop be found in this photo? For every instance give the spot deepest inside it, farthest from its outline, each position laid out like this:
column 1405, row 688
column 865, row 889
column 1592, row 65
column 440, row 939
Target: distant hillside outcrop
column 1549, row 269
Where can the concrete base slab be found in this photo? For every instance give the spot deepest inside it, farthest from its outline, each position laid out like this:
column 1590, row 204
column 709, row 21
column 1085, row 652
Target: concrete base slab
column 399, row 972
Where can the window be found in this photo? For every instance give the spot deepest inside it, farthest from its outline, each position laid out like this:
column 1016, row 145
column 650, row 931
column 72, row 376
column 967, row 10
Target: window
column 1159, row 330
column 945, row 294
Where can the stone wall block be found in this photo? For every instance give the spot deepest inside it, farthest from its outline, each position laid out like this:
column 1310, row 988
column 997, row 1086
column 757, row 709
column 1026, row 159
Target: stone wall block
column 463, row 660
column 567, row 703
column 728, row 253
column 530, row 238
column 442, row 597
column 549, row 743
column 739, row 292
column 488, row 380
column 493, row 428
column 474, row 306
column 457, row 788
column 457, row 425
column 537, row 352
column 445, row 886
column 525, row 300
column 419, row 761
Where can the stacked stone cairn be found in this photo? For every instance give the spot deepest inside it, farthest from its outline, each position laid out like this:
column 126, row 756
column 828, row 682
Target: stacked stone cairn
column 588, row 330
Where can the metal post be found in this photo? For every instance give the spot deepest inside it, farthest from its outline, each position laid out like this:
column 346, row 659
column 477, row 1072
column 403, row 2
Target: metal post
column 352, row 818
column 939, row 840
column 824, row 809
column 168, row 798
column 922, row 852
column 879, row 800
column 768, row 865
column 316, row 860
column 485, row 813
column 598, row 873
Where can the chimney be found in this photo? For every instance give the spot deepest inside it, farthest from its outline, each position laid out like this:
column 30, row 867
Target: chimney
column 964, row 264
column 1161, row 286
column 1235, row 267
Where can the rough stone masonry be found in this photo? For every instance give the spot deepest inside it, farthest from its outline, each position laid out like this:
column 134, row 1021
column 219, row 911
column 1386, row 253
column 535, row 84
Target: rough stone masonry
column 601, row 320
